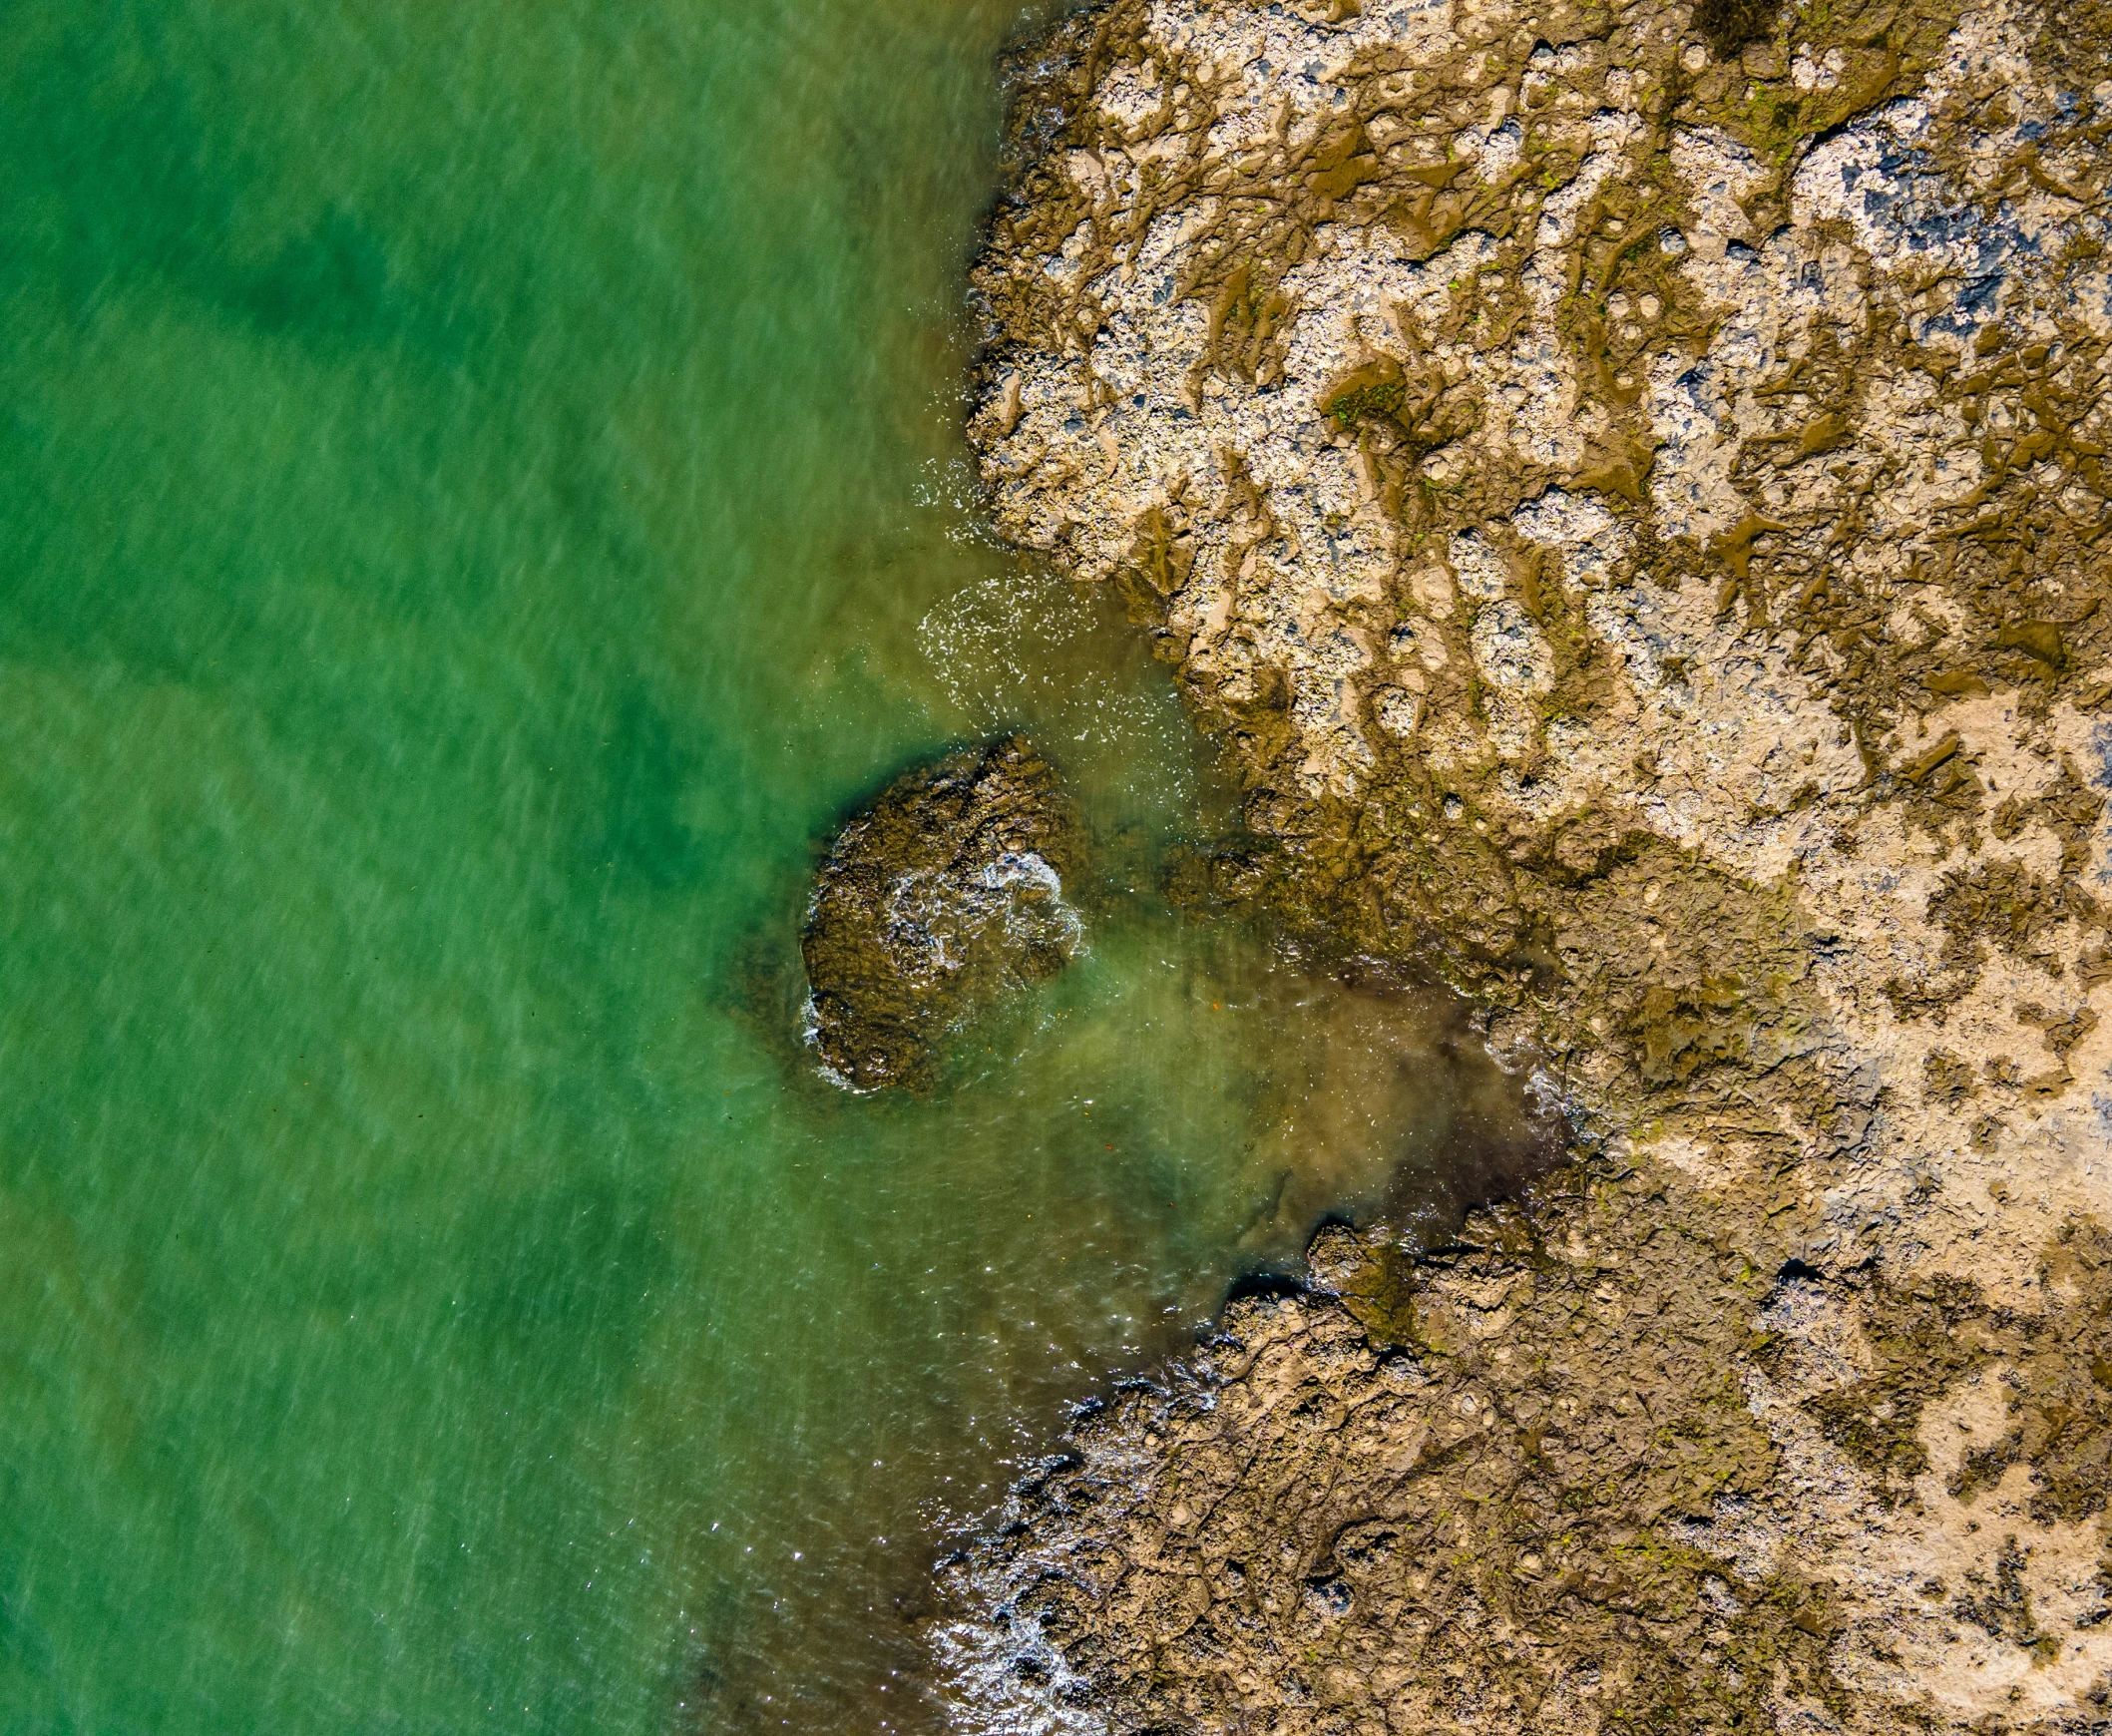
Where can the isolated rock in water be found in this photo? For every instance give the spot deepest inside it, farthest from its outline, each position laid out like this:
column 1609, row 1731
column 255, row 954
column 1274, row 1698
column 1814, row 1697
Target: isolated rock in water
column 936, row 899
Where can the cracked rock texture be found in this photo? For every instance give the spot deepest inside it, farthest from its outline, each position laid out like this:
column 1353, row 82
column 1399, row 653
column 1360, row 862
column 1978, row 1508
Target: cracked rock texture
column 1627, row 486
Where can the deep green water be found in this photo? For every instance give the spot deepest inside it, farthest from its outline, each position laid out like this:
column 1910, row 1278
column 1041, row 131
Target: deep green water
column 480, row 491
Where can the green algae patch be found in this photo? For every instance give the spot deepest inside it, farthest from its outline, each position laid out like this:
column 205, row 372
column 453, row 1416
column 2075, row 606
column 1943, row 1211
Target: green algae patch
column 1372, row 392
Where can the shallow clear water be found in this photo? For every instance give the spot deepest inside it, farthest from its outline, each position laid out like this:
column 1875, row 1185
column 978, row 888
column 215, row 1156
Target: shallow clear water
column 481, row 494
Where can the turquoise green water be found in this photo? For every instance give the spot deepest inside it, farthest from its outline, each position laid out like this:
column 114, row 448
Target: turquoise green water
column 480, row 491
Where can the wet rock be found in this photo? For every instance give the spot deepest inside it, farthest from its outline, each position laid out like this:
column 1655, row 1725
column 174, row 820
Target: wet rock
column 936, row 900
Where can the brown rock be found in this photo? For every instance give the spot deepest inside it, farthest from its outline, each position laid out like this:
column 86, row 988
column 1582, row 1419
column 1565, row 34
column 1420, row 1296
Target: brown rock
column 936, row 898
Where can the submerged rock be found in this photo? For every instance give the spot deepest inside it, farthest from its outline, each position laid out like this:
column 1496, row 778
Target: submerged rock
column 936, row 899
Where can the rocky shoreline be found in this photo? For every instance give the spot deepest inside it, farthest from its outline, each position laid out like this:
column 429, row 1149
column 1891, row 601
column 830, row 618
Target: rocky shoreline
column 1627, row 486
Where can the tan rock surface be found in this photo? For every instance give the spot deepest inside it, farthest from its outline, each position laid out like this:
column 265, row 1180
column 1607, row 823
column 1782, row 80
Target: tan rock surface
column 1628, row 487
